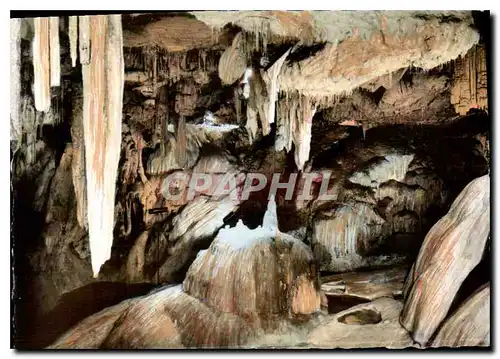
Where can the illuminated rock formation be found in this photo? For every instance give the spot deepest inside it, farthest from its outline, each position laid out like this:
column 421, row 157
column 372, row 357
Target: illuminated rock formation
column 451, row 249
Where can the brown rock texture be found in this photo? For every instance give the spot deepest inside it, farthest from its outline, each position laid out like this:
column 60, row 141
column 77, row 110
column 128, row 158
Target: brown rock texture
column 276, row 271
column 451, row 249
column 174, row 33
column 41, row 64
column 369, row 325
column 367, row 285
column 470, row 83
column 245, row 282
column 470, row 324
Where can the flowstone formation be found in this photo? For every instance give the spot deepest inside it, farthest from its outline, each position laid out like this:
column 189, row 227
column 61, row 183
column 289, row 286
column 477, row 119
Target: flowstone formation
column 245, row 284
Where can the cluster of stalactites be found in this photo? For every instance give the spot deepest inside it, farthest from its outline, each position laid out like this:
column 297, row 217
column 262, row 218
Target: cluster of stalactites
column 262, row 96
column 47, row 74
column 469, row 89
column 294, row 125
column 46, row 60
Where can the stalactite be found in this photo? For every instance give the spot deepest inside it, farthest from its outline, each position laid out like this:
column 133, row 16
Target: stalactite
column 469, row 89
column 233, row 61
column 271, row 79
column 29, row 127
column 302, row 133
column 103, row 81
column 294, row 125
column 84, row 39
column 16, row 127
column 390, row 167
column 237, row 105
column 181, row 148
column 299, row 112
column 41, row 64
column 55, row 57
column 78, row 162
column 161, row 114
column 342, row 235
column 256, row 106
column 73, row 38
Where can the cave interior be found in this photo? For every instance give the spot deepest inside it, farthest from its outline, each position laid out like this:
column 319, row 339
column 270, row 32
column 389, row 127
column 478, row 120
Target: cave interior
column 250, row 179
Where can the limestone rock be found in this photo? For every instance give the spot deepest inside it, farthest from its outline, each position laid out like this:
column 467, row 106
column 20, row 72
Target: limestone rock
column 451, row 249
column 367, row 285
column 369, row 325
column 470, row 324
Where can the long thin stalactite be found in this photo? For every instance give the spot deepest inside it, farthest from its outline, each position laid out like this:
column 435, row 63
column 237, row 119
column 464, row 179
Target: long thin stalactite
column 103, row 80
column 55, row 55
column 41, row 64
column 16, row 127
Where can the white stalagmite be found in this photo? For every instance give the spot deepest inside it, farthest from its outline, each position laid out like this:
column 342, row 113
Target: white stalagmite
column 55, row 56
column 271, row 216
column 73, row 39
column 41, row 64
column 84, row 39
column 15, row 81
column 103, row 82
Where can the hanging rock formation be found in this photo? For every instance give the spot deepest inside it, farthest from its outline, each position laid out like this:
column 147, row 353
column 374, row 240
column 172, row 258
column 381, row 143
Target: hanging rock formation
column 102, row 116
column 470, row 84
column 41, row 64
column 16, row 127
column 451, row 249
column 352, row 55
column 73, row 38
column 55, row 58
column 384, row 200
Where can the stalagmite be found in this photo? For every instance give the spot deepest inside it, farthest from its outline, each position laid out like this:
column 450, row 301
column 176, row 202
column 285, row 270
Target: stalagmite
column 41, row 64
column 277, row 272
column 55, row 57
column 103, row 82
column 16, row 126
column 73, row 39
column 84, row 39
column 451, row 249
